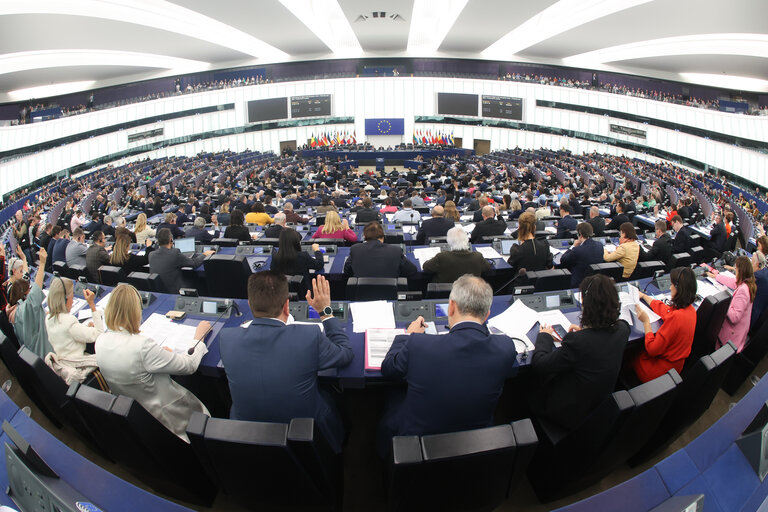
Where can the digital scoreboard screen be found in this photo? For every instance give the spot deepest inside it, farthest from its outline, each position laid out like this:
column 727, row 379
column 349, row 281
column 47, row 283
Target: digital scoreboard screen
column 311, row 106
column 267, row 110
column 503, row 107
column 449, row 103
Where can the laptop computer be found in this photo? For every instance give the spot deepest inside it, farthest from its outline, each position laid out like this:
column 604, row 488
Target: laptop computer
column 185, row 245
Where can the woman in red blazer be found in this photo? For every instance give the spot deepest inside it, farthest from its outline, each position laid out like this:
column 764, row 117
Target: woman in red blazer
column 669, row 346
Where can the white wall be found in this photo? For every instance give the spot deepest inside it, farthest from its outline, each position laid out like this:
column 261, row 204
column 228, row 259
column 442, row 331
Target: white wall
column 404, row 97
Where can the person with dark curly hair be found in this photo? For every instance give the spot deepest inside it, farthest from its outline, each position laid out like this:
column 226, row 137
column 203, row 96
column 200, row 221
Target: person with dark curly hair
column 669, row 346
column 579, row 375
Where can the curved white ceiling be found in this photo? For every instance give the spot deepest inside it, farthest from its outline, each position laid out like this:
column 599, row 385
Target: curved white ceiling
column 673, row 39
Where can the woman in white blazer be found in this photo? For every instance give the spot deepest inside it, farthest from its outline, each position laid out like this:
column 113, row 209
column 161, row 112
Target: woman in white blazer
column 134, row 365
column 67, row 335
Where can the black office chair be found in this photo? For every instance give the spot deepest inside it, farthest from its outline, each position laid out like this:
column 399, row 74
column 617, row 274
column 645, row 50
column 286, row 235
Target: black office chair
column 134, row 438
column 393, row 238
column 110, row 276
column 375, row 288
column 694, row 396
column 649, row 268
column 680, row 259
column 274, row 466
column 9, row 352
column 697, row 254
column 438, row 240
column 747, row 360
column 564, row 457
column 613, row 269
column 470, row 470
column 439, row 290
column 146, row 282
column 327, row 241
column 60, row 267
column 274, row 242
column 225, row 242
column 611, row 233
column 543, row 235
column 709, row 320
column 548, row 280
column 227, row 275
column 75, row 271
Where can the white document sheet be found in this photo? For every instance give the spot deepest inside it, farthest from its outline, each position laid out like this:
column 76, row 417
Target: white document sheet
column 515, row 322
column 705, row 289
column 610, row 247
column 553, row 317
column 424, row 254
column 489, row 253
column 551, row 229
column 177, row 337
column 377, row 344
column 84, row 314
column 377, row 314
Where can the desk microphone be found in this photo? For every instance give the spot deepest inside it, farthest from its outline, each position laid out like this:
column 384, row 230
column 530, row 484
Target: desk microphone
column 229, row 303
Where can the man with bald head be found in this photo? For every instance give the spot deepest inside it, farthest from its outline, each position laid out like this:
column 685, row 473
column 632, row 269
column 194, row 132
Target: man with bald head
column 438, row 225
column 597, row 222
column 490, row 226
column 274, row 230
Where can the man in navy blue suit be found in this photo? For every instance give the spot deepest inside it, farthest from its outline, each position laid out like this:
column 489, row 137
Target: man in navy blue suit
column 438, row 225
column 454, row 380
column 272, row 366
column 566, row 224
column 585, row 252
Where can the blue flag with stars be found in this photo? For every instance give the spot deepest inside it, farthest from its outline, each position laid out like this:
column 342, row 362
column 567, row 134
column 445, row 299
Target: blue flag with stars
column 385, row 126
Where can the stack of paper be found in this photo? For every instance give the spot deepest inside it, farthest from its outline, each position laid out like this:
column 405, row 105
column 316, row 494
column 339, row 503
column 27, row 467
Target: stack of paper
column 515, row 322
column 424, row 254
column 488, row 253
column 377, row 344
column 610, row 247
column 177, row 337
column 551, row 229
column 376, row 314
column 704, row 289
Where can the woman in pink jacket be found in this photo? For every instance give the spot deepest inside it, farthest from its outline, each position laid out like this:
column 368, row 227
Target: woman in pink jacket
column 335, row 228
column 736, row 323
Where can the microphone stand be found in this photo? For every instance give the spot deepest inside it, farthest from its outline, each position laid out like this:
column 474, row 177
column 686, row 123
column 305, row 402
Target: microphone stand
column 229, row 303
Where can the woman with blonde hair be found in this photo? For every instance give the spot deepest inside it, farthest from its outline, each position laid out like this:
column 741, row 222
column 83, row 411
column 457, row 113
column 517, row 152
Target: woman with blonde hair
column 67, row 335
column 135, row 365
column 334, row 227
column 142, row 231
column 451, row 212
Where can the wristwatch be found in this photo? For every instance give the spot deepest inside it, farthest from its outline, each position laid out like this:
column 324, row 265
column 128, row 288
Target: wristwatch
column 327, row 311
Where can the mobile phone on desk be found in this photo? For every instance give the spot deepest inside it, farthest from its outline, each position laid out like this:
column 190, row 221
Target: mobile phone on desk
column 559, row 331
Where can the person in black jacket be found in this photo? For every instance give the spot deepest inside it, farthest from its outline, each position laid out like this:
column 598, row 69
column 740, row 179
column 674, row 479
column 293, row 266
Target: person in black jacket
column 662, row 247
column 460, row 259
column 578, row 376
column 374, row 258
column 618, row 219
column 597, row 222
column 585, row 252
column 367, row 213
column 275, row 229
column 236, row 229
column 682, row 241
column 292, row 261
column 198, row 231
column 438, row 225
column 170, row 223
column 718, row 235
column 566, row 224
column 489, row 227
column 530, row 254
column 167, row 261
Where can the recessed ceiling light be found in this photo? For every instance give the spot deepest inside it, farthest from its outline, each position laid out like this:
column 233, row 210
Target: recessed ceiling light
column 430, row 22
column 45, row 91
column 327, row 21
column 555, row 19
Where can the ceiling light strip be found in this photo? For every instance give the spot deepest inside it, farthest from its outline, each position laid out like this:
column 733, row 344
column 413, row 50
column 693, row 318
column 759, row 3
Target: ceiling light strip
column 431, row 20
column 327, row 21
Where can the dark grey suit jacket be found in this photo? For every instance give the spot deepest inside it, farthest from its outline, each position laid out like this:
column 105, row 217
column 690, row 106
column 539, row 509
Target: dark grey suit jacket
column 168, row 262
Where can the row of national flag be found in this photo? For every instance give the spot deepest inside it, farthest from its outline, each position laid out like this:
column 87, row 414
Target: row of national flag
column 332, row 139
column 437, row 138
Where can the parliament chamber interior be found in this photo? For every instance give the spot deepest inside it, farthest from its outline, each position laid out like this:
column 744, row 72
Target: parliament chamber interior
column 316, row 255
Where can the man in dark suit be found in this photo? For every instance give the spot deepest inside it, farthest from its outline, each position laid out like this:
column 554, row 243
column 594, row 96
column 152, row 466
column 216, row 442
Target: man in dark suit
column 374, row 258
column 618, row 219
column 170, row 224
column 490, row 226
column 566, row 224
column 274, row 230
column 198, row 231
column 96, row 256
column 367, row 213
column 477, row 216
column 272, row 367
column 662, row 247
column 167, row 261
column 682, row 241
column 438, row 225
column 596, row 221
column 718, row 235
column 585, row 252
column 459, row 259
column 436, row 400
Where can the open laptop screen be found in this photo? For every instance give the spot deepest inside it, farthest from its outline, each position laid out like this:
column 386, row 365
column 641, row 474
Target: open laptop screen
column 185, row 244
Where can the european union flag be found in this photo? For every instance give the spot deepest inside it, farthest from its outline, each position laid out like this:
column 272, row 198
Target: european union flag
column 385, row 126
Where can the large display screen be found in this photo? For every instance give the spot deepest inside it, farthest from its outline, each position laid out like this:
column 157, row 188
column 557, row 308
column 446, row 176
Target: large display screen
column 503, row 107
column 266, row 110
column 449, row 103
column 310, row 106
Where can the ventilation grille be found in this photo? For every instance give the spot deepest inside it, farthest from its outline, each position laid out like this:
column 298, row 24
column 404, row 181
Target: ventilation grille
column 379, row 16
